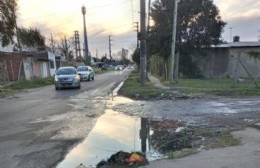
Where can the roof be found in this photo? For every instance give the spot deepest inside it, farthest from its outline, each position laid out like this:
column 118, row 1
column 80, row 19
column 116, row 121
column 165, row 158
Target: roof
column 238, row 45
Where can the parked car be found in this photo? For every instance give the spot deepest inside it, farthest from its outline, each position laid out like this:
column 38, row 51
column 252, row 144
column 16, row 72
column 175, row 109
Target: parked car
column 66, row 77
column 86, row 73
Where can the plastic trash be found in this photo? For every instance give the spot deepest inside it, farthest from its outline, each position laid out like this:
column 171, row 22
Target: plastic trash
column 123, row 158
column 180, row 130
column 135, row 158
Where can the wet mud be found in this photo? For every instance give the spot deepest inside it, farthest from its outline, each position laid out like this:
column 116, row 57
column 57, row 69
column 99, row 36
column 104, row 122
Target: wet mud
column 159, row 129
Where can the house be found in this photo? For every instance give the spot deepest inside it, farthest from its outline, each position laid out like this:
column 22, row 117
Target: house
column 226, row 60
column 10, row 67
column 26, row 65
column 39, row 64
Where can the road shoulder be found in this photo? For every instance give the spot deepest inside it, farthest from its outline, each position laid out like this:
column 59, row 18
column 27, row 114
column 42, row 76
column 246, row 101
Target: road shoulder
column 245, row 155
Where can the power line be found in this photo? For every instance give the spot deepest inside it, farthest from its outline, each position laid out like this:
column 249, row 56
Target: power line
column 37, row 17
column 132, row 10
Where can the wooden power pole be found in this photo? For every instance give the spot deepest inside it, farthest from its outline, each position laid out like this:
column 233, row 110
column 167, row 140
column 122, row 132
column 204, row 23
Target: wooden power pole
column 142, row 43
column 173, row 40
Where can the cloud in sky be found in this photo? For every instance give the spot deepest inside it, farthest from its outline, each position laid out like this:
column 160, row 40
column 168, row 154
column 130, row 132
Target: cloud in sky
column 116, row 17
column 242, row 17
column 103, row 18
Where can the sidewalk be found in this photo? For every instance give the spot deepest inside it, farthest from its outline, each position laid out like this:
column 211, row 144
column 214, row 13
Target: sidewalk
column 156, row 82
column 245, row 155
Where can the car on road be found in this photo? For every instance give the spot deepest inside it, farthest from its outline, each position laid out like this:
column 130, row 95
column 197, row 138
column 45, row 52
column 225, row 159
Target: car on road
column 86, row 73
column 119, row 67
column 66, row 77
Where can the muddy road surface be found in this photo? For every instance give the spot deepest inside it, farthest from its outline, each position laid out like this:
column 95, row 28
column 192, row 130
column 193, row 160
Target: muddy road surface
column 39, row 126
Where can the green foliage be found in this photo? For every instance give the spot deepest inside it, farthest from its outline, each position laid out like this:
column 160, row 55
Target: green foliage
column 125, row 61
column 132, row 88
column 7, row 21
column 223, row 140
column 198, row 25
column 255, row 55
column 157, row 66
column 182, row 153
column 38, row 82
column 217, row 86
column 30, row 37
column 136, row 57
column 19, row 85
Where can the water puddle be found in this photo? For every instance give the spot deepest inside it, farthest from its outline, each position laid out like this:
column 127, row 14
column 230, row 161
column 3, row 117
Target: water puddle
column 116, row 132
column 113, row 132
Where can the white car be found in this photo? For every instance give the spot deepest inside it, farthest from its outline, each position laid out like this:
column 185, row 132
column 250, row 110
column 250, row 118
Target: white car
column 119, row 67
column 86, row 73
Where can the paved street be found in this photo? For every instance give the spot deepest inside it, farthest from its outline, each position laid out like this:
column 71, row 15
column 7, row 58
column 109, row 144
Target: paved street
column 39, row 126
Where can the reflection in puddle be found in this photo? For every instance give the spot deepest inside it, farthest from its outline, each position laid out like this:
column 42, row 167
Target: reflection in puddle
column 113, row 132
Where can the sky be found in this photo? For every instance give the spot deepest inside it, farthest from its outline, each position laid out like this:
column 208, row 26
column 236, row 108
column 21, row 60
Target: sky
column 116, row 18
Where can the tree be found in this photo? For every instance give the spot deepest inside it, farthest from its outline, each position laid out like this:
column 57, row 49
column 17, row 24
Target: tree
column 7, row 21
column 136, row 57
column 198, row 25
column 63, row 45
column 30, row 38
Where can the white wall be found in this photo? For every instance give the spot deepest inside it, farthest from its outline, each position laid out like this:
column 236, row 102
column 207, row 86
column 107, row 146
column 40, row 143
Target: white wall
column 51, row 57
column 8, row 48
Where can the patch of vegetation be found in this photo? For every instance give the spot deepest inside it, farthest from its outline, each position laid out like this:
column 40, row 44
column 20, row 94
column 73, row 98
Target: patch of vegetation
column 132, row 88
column 223, row 140
column 5, row 92
column 23, row 84
column 182, row 153
column 255, row 126
column 35, row 83
column 218, row 86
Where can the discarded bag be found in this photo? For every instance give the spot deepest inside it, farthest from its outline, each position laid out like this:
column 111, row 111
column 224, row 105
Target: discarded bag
column 123, row 158
column 135, row 158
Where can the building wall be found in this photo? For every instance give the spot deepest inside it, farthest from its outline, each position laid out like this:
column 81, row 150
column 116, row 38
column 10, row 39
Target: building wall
column 36, row 69
column 27, row 68
column 52, row 63
column 33, row 66
column 221, row 62
column 214, row 62
column 12, row 63
column 252, row 65
column 45, row 70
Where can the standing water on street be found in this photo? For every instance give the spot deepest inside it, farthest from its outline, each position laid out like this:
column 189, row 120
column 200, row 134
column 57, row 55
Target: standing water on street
column 113, row 132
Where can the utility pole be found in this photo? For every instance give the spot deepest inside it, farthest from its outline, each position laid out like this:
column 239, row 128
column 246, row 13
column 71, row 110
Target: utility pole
column 52, row 44
column 148, row 48
column 142, row 42
column 83, row 9
column 77, row 44
column 149, row 11
column 109, row 38
column 173, row 40
column 230, row 33
column 21, row 70
column 137, row 31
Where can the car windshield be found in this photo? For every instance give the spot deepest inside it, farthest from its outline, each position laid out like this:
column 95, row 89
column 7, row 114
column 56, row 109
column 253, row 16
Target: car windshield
column 68, row 71
column 82, row 69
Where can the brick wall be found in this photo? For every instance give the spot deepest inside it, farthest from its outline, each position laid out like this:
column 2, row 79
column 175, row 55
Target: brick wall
column 13, row 62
